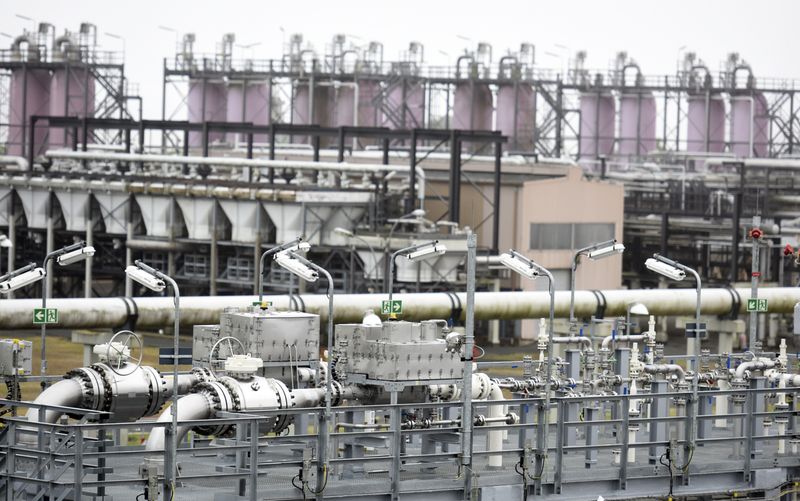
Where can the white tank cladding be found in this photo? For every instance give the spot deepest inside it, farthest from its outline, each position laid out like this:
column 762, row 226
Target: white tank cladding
column 749, row 125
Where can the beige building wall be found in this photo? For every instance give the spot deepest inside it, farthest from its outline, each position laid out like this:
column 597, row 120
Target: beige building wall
column 569, row 199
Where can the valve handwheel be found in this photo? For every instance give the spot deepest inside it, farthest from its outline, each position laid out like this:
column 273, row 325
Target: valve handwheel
column 124, row 364
column 221, row 342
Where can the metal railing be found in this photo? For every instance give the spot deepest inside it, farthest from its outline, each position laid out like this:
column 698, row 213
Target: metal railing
column 400, row 449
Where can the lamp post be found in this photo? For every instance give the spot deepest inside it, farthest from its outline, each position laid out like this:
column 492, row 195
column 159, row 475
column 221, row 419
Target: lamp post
column 157, row 281
column 308, row 271
column 414, row 253
column 414, row 214
column 294, row 245
column 64, row 256
column 677, row 271
column 5, row 243
column 595, row 251
column 529, row 269
column 351, row 235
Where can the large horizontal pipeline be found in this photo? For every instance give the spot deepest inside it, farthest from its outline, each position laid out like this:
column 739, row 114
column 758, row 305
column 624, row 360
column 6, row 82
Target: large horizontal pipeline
column 240, row 162
column 156, row 312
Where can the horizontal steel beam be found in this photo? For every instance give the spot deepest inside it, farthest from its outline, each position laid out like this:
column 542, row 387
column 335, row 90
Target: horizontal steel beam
column 156, row 312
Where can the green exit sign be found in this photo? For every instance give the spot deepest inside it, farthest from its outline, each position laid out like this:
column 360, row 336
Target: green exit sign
column 45, row 316
column 759, row 305
column 392, row 307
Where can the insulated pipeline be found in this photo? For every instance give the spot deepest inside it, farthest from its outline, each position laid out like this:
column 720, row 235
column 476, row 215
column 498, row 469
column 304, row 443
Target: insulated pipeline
column 157, row 312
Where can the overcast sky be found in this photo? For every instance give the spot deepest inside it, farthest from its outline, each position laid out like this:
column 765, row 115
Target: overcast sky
column 765, row 33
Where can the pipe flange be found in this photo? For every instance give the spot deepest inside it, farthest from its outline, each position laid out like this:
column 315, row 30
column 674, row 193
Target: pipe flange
column 93, row 388
column 108, row 397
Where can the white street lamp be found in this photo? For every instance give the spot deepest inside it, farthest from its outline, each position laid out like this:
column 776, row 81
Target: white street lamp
column 298, row 244
column 64, row 256
column 414, row 253
column 595, row 251
column 156, row 281
column 21, row 278
column 309, row 271
column 522, row 264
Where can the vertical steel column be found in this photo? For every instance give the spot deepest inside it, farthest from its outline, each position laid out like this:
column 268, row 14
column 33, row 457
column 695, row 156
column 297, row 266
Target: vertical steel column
column 411, row 203
column 469, row 340
column 340, row 139
column 455, row 176
column 271, row 171
column 31, row 143
column 571, row 409
column 12, row 236
column 591, row 414
column 755, row 273
column 385, row 151
column 24, row 134
column 205, row 138
column 658, row 409
column 128, row 250
column 498, row 164
column 737, row 215
column 623, row 405
column 254, row 460
column 77, row 464
column 214, row 251
column 561, row 431
column 87, row 271
column 397, row 438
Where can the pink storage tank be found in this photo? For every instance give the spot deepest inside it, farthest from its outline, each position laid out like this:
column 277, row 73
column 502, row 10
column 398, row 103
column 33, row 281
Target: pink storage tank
column 516, row 115
column 749, row 116
column 248, row 102
column 22, row 106
column 637, row 124
column 705, row 135
column 300, row 108
column 344, row 110
column 597, row 124
column 472, row 107
column 412, row 115
column 71, row 94
column 208, row 101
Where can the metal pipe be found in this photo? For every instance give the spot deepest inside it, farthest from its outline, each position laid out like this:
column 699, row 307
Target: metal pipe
column 754, row 365
column 156, row 312
column 64, row 393
column 624, row 338
column 242, row 162
column 192, row 407
column 583, row 340
column 20, row 162
column 665, row 369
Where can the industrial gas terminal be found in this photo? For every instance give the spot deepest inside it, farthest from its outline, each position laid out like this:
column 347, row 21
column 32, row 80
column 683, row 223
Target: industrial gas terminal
column 339, row 272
